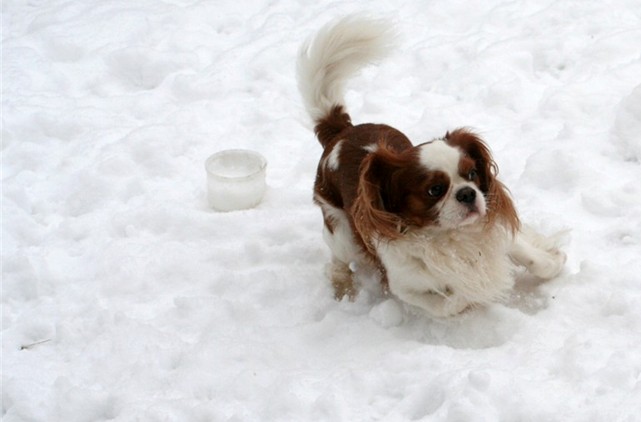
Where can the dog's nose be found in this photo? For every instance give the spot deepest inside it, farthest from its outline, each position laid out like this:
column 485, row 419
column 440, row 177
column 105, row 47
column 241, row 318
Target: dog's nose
column 466, row 195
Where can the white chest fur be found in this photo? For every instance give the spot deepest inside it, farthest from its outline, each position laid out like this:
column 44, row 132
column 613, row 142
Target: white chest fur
column 444, row 271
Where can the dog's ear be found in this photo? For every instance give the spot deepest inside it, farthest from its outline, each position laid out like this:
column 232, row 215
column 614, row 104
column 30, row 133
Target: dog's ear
column 375, row 196
column 499, row 203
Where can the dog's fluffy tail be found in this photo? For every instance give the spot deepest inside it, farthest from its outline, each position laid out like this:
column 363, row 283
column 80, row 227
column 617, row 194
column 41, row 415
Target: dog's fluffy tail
column 327, row 61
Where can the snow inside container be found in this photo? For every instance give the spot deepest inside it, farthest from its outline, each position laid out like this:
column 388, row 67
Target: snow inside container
column 235, row 179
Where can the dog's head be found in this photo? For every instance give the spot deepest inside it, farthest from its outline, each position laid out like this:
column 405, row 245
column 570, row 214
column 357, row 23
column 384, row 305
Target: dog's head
column 448, row 183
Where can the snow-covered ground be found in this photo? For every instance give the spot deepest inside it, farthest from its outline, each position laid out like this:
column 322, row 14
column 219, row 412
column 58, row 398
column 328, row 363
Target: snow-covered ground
column 125, row 298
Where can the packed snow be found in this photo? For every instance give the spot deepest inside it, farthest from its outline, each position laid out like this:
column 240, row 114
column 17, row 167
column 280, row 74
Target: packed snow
column 126, row 297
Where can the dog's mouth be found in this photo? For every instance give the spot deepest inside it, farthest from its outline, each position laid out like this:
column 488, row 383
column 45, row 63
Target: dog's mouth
column 471, row 218
column 473, row 214
column 462, row 215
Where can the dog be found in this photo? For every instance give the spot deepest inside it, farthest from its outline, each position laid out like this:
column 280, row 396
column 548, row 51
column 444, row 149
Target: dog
column 432, row 218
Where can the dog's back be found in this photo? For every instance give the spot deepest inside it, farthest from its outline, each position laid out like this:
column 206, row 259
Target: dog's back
column 325, row 63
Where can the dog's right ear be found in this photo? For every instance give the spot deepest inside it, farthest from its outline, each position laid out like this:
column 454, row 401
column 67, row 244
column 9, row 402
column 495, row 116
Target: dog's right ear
column 371, row 209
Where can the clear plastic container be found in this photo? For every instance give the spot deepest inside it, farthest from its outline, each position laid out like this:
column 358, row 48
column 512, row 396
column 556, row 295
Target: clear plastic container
column 235, row 179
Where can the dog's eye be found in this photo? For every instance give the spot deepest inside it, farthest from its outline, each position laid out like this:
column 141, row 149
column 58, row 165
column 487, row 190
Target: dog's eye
column 472, row 175
column 436, row 191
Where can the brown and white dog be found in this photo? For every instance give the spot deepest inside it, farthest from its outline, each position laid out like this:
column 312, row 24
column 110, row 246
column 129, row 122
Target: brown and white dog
column 433, row 218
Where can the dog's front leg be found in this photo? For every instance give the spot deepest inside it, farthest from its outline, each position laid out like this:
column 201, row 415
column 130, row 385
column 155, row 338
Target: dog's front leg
column 539, row 254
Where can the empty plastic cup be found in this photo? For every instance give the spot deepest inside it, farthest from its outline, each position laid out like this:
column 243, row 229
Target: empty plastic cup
column 235, row 179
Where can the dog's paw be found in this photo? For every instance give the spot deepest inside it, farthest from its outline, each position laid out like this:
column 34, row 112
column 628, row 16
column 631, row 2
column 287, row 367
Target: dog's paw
column 548, row 264
column 541, row 255
column 342, row 281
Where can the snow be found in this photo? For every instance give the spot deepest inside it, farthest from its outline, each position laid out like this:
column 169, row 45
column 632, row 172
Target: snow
column 125, row 297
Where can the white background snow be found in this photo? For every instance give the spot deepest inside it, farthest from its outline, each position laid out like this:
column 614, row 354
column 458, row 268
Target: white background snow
column 125, row 298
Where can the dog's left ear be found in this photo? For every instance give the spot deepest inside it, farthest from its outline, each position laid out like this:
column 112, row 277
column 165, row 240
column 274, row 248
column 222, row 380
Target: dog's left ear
column 499, row 203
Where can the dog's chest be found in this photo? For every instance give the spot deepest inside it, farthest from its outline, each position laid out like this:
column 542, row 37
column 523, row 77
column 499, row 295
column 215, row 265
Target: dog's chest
column 470, row 263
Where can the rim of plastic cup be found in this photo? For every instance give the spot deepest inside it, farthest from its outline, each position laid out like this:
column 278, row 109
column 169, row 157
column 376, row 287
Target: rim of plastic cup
column 262, row 163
